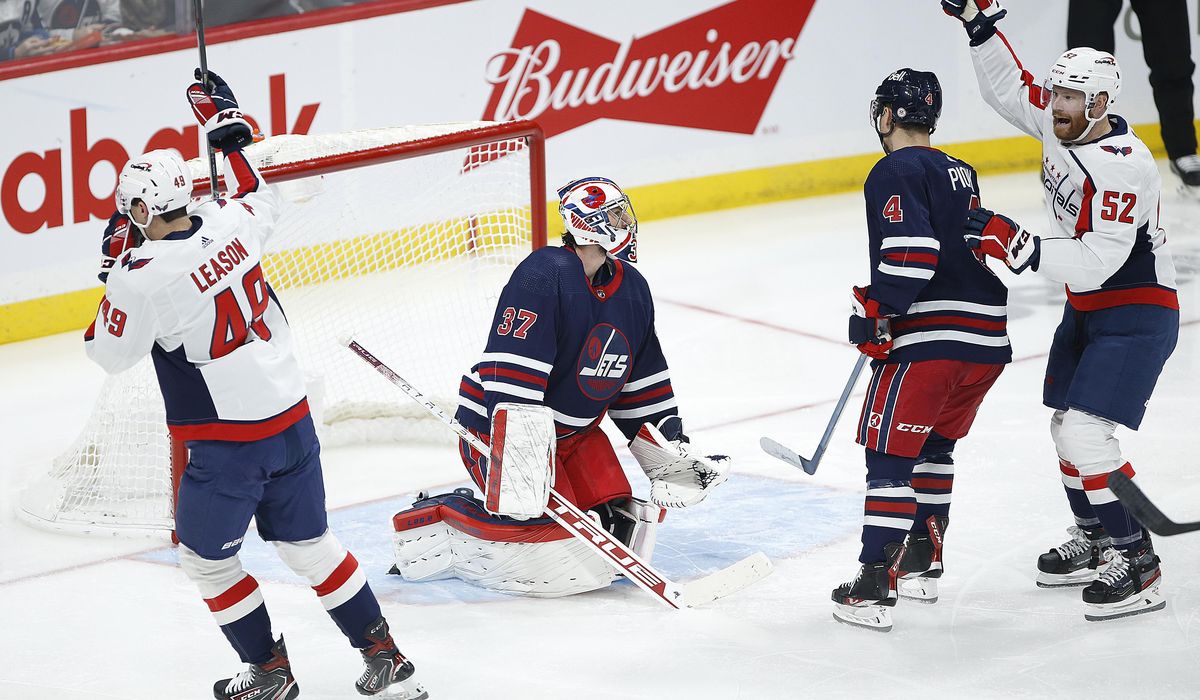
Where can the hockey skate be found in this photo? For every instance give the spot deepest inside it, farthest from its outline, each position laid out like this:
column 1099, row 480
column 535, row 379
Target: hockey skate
column 1077, row 561
column 1128, row 586
column 387, row 672
column 866, row 601
column 1187, row 169
column 921, row 566
column 267, row 681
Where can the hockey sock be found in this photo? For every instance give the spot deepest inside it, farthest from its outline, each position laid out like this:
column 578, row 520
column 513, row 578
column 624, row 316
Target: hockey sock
column 933, row 480
column 236, row 603
column 338, row 581
column 355, row 615
column 250, row 635
column 890, row 504
column 1085, row 514
column 1125, row 532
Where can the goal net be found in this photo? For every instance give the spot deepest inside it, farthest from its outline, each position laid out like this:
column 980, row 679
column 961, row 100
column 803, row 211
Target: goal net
column 402, row 237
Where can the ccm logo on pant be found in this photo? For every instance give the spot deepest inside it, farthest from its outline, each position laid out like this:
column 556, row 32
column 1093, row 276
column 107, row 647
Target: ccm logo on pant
column 910, row 428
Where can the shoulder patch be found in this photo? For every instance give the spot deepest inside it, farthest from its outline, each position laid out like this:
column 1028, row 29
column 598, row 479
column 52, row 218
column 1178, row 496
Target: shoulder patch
column 1118, row 150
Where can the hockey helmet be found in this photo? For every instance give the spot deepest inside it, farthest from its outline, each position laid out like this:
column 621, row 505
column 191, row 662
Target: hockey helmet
column 1091, row 72
column 915, row 97
column 159, row 178
column 594, row 210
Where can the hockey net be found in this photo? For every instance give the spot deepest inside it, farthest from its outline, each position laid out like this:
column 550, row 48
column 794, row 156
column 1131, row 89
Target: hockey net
column 402, row 237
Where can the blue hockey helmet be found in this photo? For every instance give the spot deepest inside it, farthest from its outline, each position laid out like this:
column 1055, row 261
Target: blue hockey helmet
column 915, row 97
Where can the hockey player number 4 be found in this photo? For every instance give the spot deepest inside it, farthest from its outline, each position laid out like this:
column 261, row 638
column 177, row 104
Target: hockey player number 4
column 114, row 319
column 231, row 329
column 892, row 211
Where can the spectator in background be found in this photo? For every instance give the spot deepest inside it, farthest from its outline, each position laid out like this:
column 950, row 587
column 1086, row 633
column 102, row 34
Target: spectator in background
column 1166, row 44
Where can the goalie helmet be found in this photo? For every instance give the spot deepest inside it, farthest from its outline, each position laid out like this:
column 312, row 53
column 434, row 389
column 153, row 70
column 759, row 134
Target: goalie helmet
column 159, row 178
column 1091, row 72
column 594, row 210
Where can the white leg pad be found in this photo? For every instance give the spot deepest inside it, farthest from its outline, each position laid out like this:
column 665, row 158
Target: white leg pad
column 1088, row 442
column 332, row 571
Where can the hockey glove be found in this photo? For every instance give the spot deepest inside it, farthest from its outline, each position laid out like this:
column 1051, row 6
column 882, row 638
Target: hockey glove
column 870, row 330
column 217, row 111
column 678, row 479
column 119, row 237
column 979, row 17
column 998, row 236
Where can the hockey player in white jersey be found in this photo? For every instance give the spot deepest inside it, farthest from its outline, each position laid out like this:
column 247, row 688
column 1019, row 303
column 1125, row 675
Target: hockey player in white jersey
column 188, row 289
column 1121, row 319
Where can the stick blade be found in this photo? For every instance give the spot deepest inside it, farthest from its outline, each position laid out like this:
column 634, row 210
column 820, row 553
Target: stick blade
column 1144, row 509
column 731, row 579
column 786, row 454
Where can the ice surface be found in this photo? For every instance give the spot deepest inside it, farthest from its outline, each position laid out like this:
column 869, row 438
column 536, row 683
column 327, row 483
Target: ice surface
column 751, row 312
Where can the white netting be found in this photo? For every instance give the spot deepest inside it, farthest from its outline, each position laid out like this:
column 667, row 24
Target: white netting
column 407, row 255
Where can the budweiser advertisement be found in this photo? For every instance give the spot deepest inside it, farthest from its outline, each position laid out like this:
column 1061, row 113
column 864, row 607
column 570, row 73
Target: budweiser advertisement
column 641, row 92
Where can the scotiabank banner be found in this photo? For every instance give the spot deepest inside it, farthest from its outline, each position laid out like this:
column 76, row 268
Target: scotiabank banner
column 641, row 92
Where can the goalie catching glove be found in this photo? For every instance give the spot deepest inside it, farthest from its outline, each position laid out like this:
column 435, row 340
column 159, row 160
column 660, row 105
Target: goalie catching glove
column 678, row 479
column 217, row 111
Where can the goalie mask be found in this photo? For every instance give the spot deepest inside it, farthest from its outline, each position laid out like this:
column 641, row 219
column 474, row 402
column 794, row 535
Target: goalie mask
column 595, row 211
column 160, row 179
column 1091, row 72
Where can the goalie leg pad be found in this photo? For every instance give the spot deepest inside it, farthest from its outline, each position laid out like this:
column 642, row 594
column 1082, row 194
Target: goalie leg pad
column 521, row 467
column 453, row 536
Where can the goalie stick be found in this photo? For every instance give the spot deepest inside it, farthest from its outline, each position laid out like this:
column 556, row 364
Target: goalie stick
column 1143, row 509
column 676, row 595
column 778, row 451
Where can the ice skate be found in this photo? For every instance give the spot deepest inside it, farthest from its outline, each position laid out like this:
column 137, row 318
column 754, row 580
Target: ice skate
column 271, row 680
column 866, row 601
column 387, row 673
column 1128, row 586
column 1077, row 561
column 921, row 566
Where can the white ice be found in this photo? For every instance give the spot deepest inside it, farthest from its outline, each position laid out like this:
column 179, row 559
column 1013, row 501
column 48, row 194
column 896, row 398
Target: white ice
column 751, row 312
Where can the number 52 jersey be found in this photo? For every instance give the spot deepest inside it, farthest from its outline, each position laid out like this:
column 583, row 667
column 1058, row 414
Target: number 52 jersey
column 198, row 303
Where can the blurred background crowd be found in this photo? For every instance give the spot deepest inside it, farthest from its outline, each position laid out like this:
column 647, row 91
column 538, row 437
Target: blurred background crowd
column 30, row 28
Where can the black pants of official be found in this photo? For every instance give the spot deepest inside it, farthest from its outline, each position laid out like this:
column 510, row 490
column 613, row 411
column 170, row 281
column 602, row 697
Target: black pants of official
column 1166, row 43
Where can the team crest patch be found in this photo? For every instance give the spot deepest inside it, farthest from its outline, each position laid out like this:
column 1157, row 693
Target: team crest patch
column 875, row 420
column 603, row 364
column 1122, row 151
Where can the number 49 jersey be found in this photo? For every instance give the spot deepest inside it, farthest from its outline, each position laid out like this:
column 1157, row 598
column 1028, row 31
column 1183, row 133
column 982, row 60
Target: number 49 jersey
column 198, row 303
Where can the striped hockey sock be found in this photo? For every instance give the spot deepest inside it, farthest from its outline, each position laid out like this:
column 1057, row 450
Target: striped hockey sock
column 1081, row 506
column 1124, row 531
column 932, row 483
column 887, row 516
column 242, row 615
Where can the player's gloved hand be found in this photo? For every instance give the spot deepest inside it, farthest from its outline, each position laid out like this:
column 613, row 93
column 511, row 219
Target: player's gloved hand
column 870, row 330
column 119, row 236
column 217, row 111
column 678, row 479
column 979, row 17
column 998, row 236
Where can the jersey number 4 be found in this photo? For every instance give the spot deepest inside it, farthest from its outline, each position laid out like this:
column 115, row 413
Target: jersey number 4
column 892, row 211
column 231, row 328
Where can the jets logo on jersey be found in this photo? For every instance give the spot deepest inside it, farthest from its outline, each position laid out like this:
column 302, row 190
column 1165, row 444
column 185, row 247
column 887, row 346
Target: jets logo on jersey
column 603, row 364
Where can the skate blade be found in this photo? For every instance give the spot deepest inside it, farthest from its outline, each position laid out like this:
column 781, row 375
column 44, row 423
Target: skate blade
column 876, row 618
column 1149, row 601
column 1045, row 580
column 404, row 690
column 919, row 589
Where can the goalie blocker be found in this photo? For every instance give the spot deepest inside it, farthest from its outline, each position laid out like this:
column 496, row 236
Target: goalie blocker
column 497, row 544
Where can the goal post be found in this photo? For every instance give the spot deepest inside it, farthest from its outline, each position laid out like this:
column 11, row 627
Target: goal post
column 402, row 235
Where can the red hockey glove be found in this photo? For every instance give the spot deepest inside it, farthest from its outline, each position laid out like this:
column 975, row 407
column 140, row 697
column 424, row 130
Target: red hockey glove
column 217, row 111
column 998, row 236
column 119, row 236
column 870, row 330
column 979, row 17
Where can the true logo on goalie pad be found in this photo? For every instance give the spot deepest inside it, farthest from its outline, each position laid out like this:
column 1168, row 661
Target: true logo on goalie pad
column 603, row 364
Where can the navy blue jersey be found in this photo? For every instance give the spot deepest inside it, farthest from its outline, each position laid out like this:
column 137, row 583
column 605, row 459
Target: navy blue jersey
column 577, row 347
column 944, row 301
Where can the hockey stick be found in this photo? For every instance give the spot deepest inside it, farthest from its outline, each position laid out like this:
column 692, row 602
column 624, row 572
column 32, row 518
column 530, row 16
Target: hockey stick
column 1143, row 509
column 198, row 9
column 793, row 458
column 676, row 595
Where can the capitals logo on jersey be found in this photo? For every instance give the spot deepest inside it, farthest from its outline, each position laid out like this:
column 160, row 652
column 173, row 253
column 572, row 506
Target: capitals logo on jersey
column 603, row 364
column 1122, row 151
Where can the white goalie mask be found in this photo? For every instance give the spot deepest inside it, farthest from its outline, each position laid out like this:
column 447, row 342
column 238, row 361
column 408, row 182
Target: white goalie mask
column 159, row 178
column 1091, row 72
column 595, row 210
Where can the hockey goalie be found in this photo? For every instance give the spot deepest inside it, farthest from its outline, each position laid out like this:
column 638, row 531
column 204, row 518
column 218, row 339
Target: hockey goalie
column 572, row 339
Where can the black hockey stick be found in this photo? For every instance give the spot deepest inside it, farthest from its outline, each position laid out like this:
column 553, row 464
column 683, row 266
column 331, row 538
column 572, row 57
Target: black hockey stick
column 1143, row 509
column 779, row 451
column 198, row 9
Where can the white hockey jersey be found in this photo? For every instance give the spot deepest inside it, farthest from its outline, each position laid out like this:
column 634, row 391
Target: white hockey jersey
column 197, row 301
column 1102, row 197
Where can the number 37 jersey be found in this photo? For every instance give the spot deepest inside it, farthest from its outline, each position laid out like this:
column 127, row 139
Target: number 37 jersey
column 198, row 303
